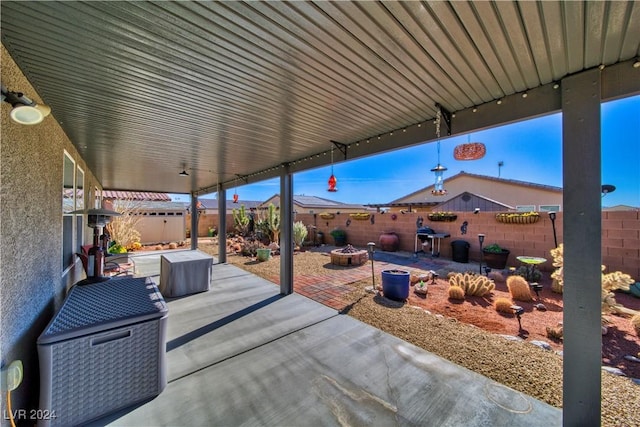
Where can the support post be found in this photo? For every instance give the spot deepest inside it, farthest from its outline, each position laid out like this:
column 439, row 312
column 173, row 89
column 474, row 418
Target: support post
column 286, row 234
column 194, row 221
column 582, row 228
column 222, row 225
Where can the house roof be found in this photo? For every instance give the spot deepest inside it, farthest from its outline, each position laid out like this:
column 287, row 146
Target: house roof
column 461, row 174
column 314, row 202
column 213, row 203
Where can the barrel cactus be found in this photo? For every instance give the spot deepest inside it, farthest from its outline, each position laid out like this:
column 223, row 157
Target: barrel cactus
column 473, row 285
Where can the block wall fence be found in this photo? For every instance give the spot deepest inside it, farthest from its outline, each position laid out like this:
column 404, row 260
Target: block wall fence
column 620, row 234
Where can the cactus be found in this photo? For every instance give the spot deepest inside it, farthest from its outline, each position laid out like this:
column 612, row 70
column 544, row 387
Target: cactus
column 472, row 284
column 241, row 220
column 610, row 282
column 503, row 305
column 456, row 292
column 519, row 288
column 299, row 233
column 273, row 222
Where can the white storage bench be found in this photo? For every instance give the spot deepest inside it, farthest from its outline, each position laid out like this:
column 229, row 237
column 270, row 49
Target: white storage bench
column 103, row 351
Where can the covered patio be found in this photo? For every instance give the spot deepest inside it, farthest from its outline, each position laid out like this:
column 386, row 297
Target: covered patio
column 232, row 92
column 244, row 354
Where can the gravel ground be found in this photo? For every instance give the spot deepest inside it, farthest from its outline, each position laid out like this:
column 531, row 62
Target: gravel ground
column 521, row 366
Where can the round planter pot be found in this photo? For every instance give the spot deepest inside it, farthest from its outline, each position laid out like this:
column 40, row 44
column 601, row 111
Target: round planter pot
column 389, row 241
column 263, row 254
column 340, row 240
column 496, row 260
column 395, row 284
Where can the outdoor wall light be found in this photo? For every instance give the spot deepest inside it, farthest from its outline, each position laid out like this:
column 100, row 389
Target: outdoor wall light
column 25, row 111
column 476, row 211
column 183, row 173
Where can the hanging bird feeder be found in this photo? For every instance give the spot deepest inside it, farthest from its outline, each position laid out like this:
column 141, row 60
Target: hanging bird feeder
column 438, row 188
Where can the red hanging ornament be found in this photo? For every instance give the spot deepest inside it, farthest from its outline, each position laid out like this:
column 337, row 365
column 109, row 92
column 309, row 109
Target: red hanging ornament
column 332, row 183
column 235, row 198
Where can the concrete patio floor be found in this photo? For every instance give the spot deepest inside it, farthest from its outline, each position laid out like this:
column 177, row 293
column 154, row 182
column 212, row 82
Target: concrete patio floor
column 242, row 354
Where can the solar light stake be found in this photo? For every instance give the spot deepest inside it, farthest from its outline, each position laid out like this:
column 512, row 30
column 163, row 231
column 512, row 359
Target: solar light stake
column 371, row 249
column 518, row 311
column 481, row 239
column 552, row 217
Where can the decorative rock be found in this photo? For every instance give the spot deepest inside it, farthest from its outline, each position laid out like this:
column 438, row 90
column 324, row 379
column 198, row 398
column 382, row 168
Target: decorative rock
column 541, row 344
column 428, row 312
column 560, row 353
column 636, row 380
column 614, row 371
column 632, row 358
column 540, row 306
column 512, row 338
column 369, row 290
column 605, row 330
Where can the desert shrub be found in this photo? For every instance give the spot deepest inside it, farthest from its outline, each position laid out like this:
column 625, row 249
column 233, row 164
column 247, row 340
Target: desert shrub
column 503, row 305
column 173, row 245
column 122, row 229
column 519, row 288
column 635, row 321
column 158, row 247
column 456, row 292
column 472, row 284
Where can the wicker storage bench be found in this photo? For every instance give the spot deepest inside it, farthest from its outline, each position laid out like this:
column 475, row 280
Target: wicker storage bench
column 103, row 351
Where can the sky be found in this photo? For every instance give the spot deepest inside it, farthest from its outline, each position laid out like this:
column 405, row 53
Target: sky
column 530, row 150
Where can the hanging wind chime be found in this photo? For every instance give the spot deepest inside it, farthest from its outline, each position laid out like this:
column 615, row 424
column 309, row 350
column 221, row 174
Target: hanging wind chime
column 332, row 179
column 438, row 188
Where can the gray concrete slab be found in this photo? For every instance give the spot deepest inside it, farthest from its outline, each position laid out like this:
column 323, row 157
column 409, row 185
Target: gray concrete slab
column 241, row 354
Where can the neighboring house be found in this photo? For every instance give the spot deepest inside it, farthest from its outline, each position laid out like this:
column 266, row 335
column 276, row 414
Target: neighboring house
column 210, row 206
column 467, row 191
column 316, row 205
column 620, row 208
column 162, row 220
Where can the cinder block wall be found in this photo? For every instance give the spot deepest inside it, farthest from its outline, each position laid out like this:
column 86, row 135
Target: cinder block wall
column 620, row 235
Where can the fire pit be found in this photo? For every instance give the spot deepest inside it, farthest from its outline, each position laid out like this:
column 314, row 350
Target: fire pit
column 349, row 256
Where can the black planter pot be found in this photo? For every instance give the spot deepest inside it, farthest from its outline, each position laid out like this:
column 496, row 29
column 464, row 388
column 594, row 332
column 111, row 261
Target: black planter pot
column 496, row 260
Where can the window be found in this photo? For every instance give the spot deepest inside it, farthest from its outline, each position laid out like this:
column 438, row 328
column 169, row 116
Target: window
column 526, row 208
column 79, row 206
column 68, row 205
column 549, row 208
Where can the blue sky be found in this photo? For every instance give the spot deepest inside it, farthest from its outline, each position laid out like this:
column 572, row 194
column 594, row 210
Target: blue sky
column 531, row 151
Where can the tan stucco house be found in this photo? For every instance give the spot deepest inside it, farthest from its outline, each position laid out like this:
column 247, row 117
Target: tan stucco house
column 468, row 191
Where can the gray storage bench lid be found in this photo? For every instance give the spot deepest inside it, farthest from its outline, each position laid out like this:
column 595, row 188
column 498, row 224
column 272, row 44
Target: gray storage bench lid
column 105, row 305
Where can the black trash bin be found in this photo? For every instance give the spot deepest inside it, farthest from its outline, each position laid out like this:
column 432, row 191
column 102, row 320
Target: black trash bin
column 460, row 251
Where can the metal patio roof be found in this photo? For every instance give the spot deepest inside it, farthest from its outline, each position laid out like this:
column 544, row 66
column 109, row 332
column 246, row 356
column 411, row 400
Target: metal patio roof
column 231, row 91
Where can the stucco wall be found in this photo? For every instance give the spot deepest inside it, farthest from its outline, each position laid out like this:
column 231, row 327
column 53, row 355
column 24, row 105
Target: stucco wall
column 32, row 283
